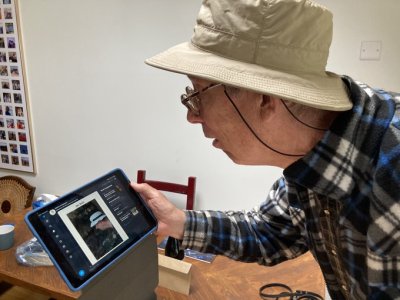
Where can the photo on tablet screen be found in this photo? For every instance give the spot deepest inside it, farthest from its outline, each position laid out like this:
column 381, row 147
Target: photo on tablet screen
column 93, row 226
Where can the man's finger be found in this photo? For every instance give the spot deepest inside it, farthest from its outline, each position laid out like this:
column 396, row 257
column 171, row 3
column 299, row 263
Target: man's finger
column 144, row 189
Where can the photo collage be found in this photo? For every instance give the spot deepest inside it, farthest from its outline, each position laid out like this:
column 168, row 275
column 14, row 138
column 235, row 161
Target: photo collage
column 15, row 143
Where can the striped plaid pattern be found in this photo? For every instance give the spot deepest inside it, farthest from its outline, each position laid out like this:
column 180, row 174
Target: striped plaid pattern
column 341, row 201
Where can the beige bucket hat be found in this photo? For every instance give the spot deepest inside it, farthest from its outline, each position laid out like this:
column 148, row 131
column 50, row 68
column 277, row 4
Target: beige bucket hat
column 274, row 47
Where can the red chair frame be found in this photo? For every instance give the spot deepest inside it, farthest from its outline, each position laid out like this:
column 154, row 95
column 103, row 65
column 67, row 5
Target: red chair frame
column 188, row 190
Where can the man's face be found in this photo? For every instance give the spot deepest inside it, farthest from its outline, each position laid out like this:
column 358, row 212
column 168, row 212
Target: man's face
column 221, row 122
column 103, row 224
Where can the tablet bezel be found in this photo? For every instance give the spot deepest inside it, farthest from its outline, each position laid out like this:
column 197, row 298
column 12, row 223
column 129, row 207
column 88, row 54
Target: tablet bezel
column 65, row 269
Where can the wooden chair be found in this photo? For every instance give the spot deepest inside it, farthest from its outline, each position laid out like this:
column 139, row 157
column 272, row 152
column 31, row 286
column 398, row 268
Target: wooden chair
column 15, row 194
column 188, row 190
column 172, row 248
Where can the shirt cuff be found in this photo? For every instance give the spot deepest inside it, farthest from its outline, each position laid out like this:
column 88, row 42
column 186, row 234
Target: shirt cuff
column 195, row 232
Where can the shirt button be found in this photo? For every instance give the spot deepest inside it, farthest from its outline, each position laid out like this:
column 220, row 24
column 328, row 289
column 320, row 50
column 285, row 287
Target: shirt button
column 326, row 212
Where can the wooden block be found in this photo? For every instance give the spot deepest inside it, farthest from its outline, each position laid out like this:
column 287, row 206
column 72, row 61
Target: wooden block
column 174, row 274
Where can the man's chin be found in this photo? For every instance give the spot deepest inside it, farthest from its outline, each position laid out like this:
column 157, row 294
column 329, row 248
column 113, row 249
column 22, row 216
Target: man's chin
column 216, row 144
column 237, row 161
column 232, row 157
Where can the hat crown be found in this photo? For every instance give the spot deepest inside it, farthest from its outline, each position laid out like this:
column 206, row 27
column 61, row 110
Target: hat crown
column 286, row 35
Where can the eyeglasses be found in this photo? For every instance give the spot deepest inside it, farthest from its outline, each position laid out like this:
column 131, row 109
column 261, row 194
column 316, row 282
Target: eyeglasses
column 281, row 291
column 192, row 100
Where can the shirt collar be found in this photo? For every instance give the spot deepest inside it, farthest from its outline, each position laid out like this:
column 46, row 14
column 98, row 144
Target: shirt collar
column 347, row 149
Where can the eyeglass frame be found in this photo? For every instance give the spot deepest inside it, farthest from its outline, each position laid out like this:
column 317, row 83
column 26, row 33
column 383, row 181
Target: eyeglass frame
column 191, row 98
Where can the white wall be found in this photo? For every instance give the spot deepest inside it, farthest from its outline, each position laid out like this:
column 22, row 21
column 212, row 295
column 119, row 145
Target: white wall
column 95, row 105
column 366, row 20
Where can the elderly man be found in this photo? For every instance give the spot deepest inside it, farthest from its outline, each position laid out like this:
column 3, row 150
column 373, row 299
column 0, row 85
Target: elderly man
column 261, row 92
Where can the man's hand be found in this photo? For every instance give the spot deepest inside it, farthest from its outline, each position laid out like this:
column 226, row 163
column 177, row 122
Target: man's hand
column 171, row 220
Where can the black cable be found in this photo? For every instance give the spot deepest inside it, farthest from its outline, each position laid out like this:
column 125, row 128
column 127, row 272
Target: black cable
column 288, row 293
column 253, row 132
column 300, row 121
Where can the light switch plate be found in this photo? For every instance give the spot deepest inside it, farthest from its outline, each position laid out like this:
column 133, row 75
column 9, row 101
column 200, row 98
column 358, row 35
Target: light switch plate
column 370, row 50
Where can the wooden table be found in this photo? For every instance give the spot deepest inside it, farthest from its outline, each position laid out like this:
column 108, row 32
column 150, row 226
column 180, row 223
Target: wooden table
column 45, row 280
column 222, row 279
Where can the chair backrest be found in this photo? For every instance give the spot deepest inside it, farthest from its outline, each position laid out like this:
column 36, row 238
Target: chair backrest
column 188, row 190
column 15, row 194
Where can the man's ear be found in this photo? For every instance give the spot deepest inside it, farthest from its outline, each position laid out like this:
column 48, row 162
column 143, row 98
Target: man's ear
column 265, row 101
column 266, row 106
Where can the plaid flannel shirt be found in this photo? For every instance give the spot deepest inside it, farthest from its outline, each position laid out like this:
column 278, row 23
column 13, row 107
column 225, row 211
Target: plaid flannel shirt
column 341, row 201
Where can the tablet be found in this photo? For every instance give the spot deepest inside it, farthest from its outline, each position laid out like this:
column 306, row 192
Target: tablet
column 87, row 230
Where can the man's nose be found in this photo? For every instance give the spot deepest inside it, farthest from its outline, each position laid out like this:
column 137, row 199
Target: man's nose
column 193, row 118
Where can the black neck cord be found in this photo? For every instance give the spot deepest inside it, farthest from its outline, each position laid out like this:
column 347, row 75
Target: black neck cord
column 300, row 121
column 253, row 132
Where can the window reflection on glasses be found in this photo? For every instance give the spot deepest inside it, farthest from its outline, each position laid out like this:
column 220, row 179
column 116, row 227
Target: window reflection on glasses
column 191, row 98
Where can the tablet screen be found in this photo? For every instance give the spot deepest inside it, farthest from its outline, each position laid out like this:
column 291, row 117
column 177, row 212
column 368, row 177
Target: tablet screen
column 87, row 229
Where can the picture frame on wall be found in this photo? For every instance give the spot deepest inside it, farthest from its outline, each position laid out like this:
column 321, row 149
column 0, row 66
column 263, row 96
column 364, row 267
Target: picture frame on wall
column 16, row 149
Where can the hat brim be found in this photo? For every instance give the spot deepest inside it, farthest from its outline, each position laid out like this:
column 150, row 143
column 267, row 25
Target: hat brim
column 326, row 91
column 97, row 220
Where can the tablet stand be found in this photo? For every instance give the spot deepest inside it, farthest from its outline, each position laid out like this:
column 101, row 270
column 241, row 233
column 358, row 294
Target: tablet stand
column 135, row 276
